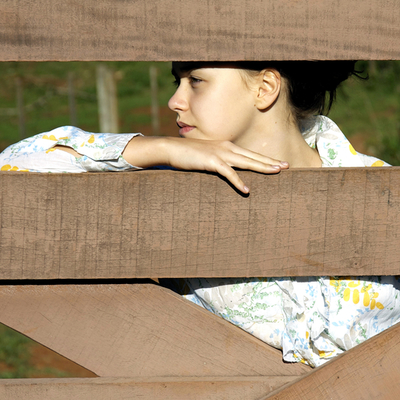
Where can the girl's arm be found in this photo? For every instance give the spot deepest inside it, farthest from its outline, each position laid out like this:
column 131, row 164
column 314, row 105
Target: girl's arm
column 203, row 155
column 121, row 152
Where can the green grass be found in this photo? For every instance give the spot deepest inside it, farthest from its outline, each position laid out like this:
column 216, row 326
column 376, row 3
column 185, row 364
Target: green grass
column 372, row 109
column 15, row 356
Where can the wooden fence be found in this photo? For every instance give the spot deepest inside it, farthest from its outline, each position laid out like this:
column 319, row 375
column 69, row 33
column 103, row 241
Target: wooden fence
column 72, row 247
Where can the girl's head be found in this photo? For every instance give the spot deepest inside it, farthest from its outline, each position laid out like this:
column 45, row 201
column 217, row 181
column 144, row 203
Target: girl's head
column 310, row 85
column 230, row 100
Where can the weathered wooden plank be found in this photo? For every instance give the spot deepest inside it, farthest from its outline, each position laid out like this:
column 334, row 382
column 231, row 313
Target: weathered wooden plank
column 343, row 221
column 232, row 388
column 196, row 30
column 368, row 371
column 137, row 330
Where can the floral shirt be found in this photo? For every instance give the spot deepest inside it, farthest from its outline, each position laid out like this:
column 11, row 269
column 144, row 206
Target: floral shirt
column 100, row 152
column 312, row 319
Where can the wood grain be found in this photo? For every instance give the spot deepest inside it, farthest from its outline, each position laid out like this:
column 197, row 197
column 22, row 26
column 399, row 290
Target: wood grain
column 368, row 371
column 137, row 331
column 167, row 30
column 250, row 388
column 343, row 221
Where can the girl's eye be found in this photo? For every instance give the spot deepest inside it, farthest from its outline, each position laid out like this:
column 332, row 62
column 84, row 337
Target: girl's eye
column 194, row 81
column 176, row 82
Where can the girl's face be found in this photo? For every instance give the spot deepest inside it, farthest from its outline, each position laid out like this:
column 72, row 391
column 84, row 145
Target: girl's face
column 212, row 103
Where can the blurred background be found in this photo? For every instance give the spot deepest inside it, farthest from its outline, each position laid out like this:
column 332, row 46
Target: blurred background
column 37, row 97
column 40, row 96
column 132, row 97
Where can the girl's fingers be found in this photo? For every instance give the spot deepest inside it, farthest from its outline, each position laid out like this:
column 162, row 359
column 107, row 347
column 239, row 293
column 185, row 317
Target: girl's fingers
column 244, row 162
column 225, row 169
column 219, row 157
column 259, row 157
column 232, row 176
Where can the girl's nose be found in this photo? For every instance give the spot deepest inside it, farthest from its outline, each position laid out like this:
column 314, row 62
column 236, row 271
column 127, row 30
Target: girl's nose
column 178, row 102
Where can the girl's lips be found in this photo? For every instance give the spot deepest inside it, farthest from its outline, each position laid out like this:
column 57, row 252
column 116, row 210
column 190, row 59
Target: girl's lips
column 184, row 129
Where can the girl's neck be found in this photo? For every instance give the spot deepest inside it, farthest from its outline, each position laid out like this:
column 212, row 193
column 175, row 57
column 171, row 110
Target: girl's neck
column 280, row 138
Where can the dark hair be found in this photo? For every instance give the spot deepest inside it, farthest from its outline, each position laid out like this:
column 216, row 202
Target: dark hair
column 311, row 84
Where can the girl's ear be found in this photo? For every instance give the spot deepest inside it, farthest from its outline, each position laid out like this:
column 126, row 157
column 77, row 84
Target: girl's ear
column 268, row 88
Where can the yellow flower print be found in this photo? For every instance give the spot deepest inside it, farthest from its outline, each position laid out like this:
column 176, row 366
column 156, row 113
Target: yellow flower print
column 356, row 296
column 376, row 303
column 91, row 139
column 322, row 353
column 50, row 150
column 340, row 282
column 336, row 283
column 378, row 163
column 354, row 284
column 366, row 288
column 8, row 167
column 368, row 298
column 302, row 360
column 352, row 151
column 51, row 137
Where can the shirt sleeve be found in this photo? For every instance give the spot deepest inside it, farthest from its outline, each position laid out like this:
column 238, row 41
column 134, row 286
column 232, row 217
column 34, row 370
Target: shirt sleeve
column 100, row 152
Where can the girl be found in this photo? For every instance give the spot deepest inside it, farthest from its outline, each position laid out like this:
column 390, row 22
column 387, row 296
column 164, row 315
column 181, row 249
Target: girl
column 258, row 116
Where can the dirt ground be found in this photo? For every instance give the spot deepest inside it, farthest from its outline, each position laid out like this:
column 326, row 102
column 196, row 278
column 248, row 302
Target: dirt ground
column 43, row 358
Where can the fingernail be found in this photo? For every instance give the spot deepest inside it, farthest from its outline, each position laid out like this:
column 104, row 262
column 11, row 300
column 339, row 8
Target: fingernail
column 246, row 189
column 284, row 163
column 276, row 166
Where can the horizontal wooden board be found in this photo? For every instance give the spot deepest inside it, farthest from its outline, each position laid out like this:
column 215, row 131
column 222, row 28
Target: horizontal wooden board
column 137, row 330
column 368, row 371
column 343, row 221
column 250, row 388
column 167, row 30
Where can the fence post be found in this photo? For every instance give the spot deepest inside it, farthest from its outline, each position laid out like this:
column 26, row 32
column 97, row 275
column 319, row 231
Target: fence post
column 107, row 99
column 20, row 108
column 71, row 100
column 155, row 121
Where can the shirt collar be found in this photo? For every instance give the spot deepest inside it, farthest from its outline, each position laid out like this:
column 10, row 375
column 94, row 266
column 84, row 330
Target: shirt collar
column 334, row 149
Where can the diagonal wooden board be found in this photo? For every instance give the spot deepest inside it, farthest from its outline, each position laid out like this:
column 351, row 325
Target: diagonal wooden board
column 199, row 30
column 137, row 331
column 333, row 221
column 368, row 371
column 234, row 388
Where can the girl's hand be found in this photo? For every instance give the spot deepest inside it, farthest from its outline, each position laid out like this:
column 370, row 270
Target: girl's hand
column 203, row 155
